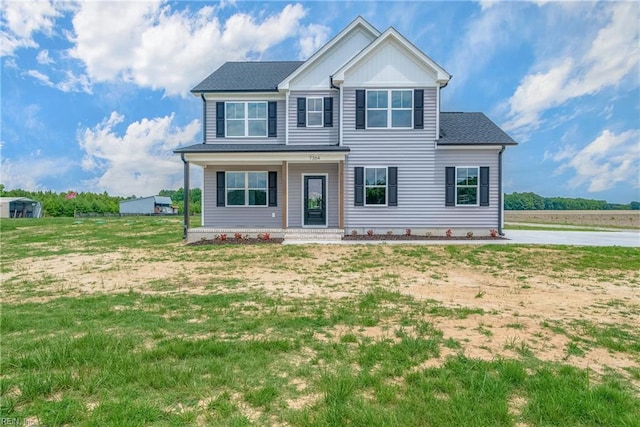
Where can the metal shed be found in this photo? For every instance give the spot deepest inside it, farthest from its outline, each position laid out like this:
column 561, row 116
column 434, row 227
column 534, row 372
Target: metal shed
column 152, row 205
column 20, row 207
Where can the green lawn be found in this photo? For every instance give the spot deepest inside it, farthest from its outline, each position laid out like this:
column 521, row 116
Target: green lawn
column 218, row 344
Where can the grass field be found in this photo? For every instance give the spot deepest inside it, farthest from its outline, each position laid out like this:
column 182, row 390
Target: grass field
column 609, row 219
column 116, row 322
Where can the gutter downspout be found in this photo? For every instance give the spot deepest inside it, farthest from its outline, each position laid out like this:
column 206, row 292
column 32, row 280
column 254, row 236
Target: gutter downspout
column 204, row 119
column 332, row 86
column 500, row 198
column 186, row 197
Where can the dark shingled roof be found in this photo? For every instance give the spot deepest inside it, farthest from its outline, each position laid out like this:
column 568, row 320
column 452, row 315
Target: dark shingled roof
column 471, row 129
column 262, row 76
column 259, row 148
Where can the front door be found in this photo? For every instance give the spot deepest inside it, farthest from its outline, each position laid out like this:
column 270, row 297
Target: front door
column 315, row 200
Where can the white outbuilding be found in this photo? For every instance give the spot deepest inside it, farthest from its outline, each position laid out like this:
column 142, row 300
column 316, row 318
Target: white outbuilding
column 152, row 205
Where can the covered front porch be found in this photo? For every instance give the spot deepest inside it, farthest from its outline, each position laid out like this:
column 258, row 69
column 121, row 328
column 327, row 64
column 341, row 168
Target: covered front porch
column 285, row 191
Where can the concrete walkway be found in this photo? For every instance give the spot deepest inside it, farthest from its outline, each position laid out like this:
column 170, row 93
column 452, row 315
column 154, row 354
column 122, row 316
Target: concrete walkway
column 577, row 238
column 528, row 237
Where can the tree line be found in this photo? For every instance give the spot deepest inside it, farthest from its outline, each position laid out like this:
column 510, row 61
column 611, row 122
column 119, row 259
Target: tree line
column 68, row 203
column 62, row 204
column 532, row 201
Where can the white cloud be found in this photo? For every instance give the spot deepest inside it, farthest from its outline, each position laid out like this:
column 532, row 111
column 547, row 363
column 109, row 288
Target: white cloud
column 312, row 38
column 152, row 45
column 140, row 161
column 606, row 161
column 29, row 173
column 611, row 57
column 21, row 19
column 44, row 58
column 70, row 83
column 482, row 38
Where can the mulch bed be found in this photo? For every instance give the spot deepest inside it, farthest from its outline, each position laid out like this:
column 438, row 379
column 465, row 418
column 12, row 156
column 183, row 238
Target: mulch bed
column 233, row 241
column 416, row 237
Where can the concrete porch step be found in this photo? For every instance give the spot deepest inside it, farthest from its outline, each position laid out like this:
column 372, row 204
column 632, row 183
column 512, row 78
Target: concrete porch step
column 314, row 235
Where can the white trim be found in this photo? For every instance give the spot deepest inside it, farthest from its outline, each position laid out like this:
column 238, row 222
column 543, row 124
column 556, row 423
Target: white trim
column 358, row 22
column 442, row 75
column 386, row 186
column 243, row 96
column 467, row 147
column 202, row 196
column 321, row 111
column 437, row 112
column 455, row 195
column 201, row 159
column 288, row 192
column 286, row 118
column 326, row 196
column 389, row 108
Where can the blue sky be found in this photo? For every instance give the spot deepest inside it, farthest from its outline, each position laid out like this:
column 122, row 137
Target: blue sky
column 95, row 95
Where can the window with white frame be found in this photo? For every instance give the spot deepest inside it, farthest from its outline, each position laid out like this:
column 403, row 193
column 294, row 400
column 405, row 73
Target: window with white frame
column 467, row 186
column 246, row 188
column 390, row 108
column 314, row 112
column 246, row 119
column 375, row 186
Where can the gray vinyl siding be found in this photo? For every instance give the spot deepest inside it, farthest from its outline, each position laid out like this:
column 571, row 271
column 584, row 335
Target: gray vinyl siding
column 466, row 216
column 421, row 174
column 211, row 127
column 313, row 135
column 294, row 190
column 239, row 216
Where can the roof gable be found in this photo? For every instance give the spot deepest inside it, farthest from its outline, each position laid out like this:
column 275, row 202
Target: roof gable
column 248, row 76
column 352, row 39
column 391, row 47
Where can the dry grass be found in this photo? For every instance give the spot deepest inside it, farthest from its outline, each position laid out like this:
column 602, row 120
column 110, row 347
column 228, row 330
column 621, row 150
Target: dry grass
column 617, row 219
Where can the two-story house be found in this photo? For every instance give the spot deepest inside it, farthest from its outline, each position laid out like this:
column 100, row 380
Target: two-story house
column 351, row 139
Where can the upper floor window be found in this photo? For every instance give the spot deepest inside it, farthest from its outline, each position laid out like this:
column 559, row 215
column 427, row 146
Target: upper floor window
column 389, row 108
column 246, row 119
column 467, row 186
column 314, row 112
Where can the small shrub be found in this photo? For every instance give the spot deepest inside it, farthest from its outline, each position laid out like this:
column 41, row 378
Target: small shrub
column 260, row 236
column 389, row 233
column 223, row 237
column 216, row 237
column 266, row 237
column 448, row 233
column 428, row 234
column 469, row 234
column 493, row 232
column 369, row 232
column 238, row 236
column 407, row 232
column 246, row 237
column 354, row 232
column 202, row 239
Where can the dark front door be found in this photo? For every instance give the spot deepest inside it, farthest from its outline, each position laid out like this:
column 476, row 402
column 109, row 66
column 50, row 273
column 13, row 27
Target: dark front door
column 315, row 200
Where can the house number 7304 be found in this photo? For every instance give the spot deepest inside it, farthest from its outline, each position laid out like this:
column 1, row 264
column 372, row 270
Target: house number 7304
column 314, row 157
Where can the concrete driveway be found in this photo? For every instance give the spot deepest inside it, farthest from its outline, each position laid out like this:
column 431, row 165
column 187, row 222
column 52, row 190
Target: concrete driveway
column 577, row 238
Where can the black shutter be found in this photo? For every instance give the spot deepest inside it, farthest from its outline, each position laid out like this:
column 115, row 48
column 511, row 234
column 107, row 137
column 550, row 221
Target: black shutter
column 220, row 186
column 302, row 112
column 359, row 186
column 360, row 108
column 273, row 121
column 418, row 109
column 219, row 119
column 273, row 188
column 450, row 186
column 484, row 186
column 328, row 112
column 392, row 185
